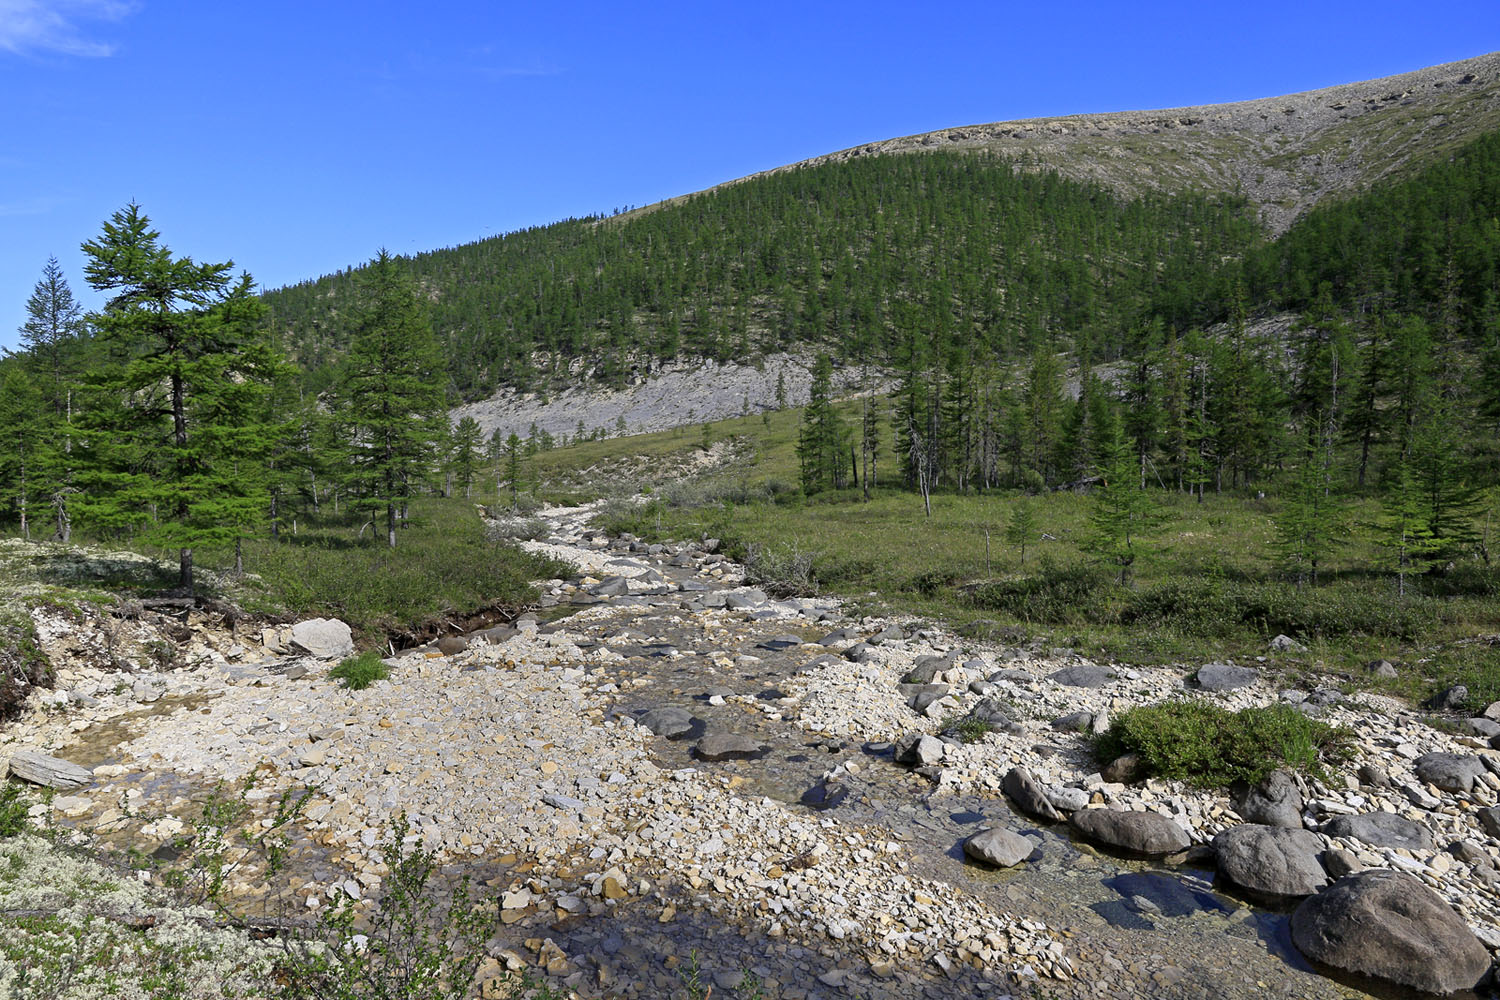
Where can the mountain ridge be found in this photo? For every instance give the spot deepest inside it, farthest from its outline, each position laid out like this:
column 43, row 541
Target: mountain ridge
column 1295, row 149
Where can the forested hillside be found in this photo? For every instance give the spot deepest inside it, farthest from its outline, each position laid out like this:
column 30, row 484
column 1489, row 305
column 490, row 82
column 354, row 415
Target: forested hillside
column 858, row 256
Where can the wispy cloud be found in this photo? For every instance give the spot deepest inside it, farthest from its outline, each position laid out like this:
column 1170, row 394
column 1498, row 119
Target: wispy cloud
column 58, row 26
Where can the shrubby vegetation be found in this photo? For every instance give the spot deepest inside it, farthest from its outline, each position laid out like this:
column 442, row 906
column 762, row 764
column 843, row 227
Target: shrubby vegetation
column 1205, row 744
column 358, row 672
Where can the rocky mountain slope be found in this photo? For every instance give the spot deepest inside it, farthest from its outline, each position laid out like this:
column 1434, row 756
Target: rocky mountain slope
column 1285, row 153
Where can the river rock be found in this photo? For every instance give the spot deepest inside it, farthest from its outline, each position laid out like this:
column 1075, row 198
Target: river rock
column 452, row 645
column 1448, row 699
column 999, row 847
column 919, row 749
column 1146, row 833
column 1374, row 776
column 1451, row 772
column 1381, row 668
column 741, row 599
column 1489, row 820
column 924, row 695
column 668, row 721
column 1389, row 925
column 1285, row 644
column 1225, row 677
column 1274, row 801
column 1026, row 793
column 611, row 586
column 40, row 769
column 1480, row 726
column 727, row 746
column 1271, row 860
column 1381, row 829
column 1338, row 862
column 1074, row 722
column 325, row 638
column 1068, row 799
column 1083, row 675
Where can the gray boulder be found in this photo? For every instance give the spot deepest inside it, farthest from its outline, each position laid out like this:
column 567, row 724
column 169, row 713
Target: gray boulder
column 1374, row 776
column 1225, row 677
column 1381, row 668
column 611, row 586
column 727, row 746
column 1451, row 772
column 1068, row 799
column 1381, row 829
column 1074, row 722
column 1389, row 925
column 1489, row 819
column 924, row 695
column 1285, row 644
column 668, row 720
column 1274, row 801
column 928, row 667
column 325, row 638
column 40, row 769
column 919, row 749
column 1083, row 675
column 999, row 847
column 1146, row 833
column 1480, row 726
column 741, row 599
column 992, row 713
column 1338, row 862
column 1448, row 699
column 1271, row 860
column 1028, row 795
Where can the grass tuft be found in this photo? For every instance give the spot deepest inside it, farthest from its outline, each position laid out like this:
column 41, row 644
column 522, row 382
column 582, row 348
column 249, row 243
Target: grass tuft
column 359, row 672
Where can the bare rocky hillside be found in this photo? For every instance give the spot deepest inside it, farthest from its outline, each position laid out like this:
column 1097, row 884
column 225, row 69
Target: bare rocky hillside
column 1285, row 153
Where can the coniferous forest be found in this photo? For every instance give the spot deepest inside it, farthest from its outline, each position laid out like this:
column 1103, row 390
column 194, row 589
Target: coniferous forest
column 1041, row 333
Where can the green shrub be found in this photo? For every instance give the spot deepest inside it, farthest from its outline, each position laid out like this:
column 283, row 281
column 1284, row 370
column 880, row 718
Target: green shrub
column 1211, row 608
column 1054, row 594
column 13, row 806
column 1207, row 745
column 359, row 672
column 23, row 665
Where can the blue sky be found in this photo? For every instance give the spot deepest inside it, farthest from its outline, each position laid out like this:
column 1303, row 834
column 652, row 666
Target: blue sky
column 298, row 138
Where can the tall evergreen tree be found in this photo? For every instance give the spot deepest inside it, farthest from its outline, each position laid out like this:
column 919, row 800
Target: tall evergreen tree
column 390, row 392
column 823, row 439
column 1123, row 514
column 186, row 359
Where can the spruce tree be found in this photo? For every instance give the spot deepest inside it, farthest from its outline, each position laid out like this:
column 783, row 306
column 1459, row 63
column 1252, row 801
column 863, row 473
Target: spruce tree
column 1402, row 530
column 390, row 391
column 823, row 438
column 1308, row 523
column 1022, row 526
column 466, row 453
column 186, row 361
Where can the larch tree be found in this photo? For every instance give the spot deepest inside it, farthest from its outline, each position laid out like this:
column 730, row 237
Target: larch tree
column 390, row 391
column 185, row 365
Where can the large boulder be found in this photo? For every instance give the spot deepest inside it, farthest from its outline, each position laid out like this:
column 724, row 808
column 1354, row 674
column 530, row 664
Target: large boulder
column 39, row 769
column 1452, row 772
column 1275, row 800
column 1146, row 833
column 1387, row 924
column 1381, row 829
column 325, row 638
column 1271, row 860
column 1028, row 795
column 999, row 847
column 1225, row 677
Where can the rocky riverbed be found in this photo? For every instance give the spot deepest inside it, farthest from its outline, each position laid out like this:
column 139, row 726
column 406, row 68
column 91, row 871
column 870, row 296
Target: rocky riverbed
column 664, row 770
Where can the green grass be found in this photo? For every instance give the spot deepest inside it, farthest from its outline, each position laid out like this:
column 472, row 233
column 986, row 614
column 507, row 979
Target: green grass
column 359, row 672
column 442, row 566
column 1207, row 745
column 1207, row 587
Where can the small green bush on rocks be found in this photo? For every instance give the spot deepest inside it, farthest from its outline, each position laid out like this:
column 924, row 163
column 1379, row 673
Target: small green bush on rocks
column 1208, row 745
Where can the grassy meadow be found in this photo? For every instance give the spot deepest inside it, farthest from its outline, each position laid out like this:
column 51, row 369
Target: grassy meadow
column 1206, row 586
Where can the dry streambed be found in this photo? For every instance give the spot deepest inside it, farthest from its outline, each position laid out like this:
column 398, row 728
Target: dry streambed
column 619, row 857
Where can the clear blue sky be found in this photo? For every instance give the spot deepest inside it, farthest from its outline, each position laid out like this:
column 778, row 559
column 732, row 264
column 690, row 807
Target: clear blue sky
column 298, row 138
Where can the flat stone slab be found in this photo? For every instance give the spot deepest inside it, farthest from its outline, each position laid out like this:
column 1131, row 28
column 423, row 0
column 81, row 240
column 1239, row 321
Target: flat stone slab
column 728, row 746
column 39, row 769
column 667, row 721
column 1389, row 925
column 1381, row 829
column 1225, row 677
column 1082, row 676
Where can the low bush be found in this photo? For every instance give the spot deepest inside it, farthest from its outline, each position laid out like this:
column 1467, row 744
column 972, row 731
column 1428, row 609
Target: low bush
column 1207, row 745
column 23, row 665
column 1054, row 595
column 359, row 672
column 1216, row 607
